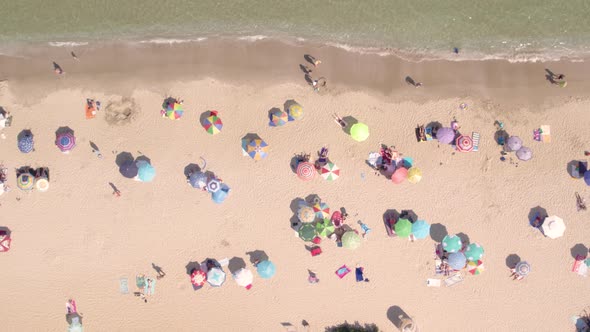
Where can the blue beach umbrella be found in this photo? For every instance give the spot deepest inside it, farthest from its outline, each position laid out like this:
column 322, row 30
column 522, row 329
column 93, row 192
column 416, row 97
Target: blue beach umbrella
column 587, row 177
column 198, row 180
column 220, row 195
column 145, row 171
column 266, row 269
column 128, row 169
column 457, row 260
column 420, row 229
column 25, row 143
column 215, row 277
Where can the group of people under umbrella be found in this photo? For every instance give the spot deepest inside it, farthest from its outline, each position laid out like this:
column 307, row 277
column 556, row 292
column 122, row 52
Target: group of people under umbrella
column 315, row 223
column 278, row 117
column 64, row 140
column 456, row 256
column 211, row 272
column 28, row 178
column 307, row 171
column 390, row 163
column 140, row 169
column 448, row 135
column 406, row 225
column 514, row 144
column 207, row 181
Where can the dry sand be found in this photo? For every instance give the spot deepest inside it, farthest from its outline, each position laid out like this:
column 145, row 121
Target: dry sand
column 77, row 239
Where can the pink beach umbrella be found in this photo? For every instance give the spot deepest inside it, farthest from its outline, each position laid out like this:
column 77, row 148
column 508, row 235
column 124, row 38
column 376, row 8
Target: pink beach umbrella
column 399, row 175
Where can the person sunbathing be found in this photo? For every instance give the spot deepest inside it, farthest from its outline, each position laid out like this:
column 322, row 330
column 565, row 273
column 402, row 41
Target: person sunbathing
column 322, row 158
column 339, row 120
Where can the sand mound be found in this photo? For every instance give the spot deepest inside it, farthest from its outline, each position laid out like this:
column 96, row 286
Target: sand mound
column 120, row 112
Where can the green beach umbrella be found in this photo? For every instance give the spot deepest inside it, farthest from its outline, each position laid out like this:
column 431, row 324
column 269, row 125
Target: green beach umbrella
column 307, row 232
column 451, row 243
column 351, row 240
column 325, row 228
column 359, row 132
column 403, row 228
column 474, row 252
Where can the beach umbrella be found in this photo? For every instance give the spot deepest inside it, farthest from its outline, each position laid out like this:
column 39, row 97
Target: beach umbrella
column 65, row 141
column 587, row 261
column 524, row 153
column 5, row 241
column 278, row 117
column 322, row 210
column 403, row 228
column 306, row 171
column 414, row 175
column 145, row 171
column 457, row 260
column 399, row 175
column 445, row 135
column 42, row 184
column 307, row 232
column 577, row 169
column 513, row 143
column 351, row 240
column 452, row 243
column 172, row 110
column 330, row 171
column 220, row 195
column 257, row 149
column 475, row 267
column 523, row 268
column 464, row 143
column 325, row 227
column 128, row 169
column 244, row 277
column 359, row 132
column 295, row 112
column 212, row 123
column 25, row 181
column 266, row 269
column 198, row 278
column 420, row 229
column 215, row 277
column 587, row 177
column 25, row 143
column 474, row 252
column 374, row 159
column 213, row 185
column 198, row 180
column 553, row 227
column 306, row 214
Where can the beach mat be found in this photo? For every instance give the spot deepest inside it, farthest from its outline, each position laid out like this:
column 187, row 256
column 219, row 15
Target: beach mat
column 124, row 285
column 152, row 289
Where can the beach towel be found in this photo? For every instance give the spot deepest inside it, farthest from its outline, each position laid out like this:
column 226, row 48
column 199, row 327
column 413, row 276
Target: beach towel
column 475, row 139
column 433, row 282
column 90, row 111
column 545, row 131
column 140, row 282
column 342, row 271
column 124, row 286
column 150, row 290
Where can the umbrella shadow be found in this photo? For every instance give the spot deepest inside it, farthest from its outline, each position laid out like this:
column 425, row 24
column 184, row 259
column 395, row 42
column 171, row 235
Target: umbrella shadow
column 312, row 199
column 537, row 212
column 190, row 169
column 257, row 256
column 251, row 136
column 434, row 126
column 395, row 314
column 350, row 121
column 192, row 266
column 204, row 117
column 409, row 214
column 438, row 232
column 235, row 264
column 390, row 214
column 70, row 318
column 501, row 136
column 464, row 239
column 24, row 170
column 123, row 158
column 144, row 158
column 167, row 101
column 295, row 222
column 287, row 105
column 577, row 166
column 579, row 250
column 64, row 130
column 270, row 113
column 211, row 263
column 23, row 134
column 512, row 260
column 5, row 230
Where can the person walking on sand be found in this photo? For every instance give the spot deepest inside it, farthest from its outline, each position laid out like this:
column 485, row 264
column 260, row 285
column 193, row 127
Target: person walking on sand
column 313, row 60
column 74, row 56
column 57, row 69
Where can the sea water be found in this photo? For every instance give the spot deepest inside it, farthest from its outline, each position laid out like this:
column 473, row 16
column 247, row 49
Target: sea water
column 419, row 29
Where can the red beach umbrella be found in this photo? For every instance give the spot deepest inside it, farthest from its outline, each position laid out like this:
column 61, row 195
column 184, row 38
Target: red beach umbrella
column 306, row 171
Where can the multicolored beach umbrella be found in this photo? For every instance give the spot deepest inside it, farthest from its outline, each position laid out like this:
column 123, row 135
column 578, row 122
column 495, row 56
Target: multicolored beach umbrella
column 25, row 181
column 212, row 123
column 215, row 277
column 464, row 143
column 65, row 141
column 306, row 214
column 330, row 171
column 457, row 260
column 359, row 132
column 306, row 171
column 145, row 171
column 420, row 229
column 307, row 232
column 475, row 267
column 403, row 228
column 266, row 269
column 452, row 243
column 325, row 227
column 198, row 278
column 414, row 175
column 172, row 109
column 278, row 117
column 351, row 240
column 257, row 149
column 295, row 112
column 25, row 143
column 322, row 210
column 474, row 252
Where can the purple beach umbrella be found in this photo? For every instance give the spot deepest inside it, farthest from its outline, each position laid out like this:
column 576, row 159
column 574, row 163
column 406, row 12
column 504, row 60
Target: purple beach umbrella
column 513, row 143
column 445, row 135
column 524, row 153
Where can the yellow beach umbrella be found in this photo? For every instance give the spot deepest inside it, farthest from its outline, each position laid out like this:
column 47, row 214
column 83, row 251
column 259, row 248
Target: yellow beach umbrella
column 414, row 175
column 359, row 132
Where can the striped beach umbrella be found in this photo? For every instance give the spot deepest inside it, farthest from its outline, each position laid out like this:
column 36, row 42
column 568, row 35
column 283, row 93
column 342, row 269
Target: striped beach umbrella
column 464, row 143
column 475, row 267
column 295, row 112
column 452, row 243
column 306, row 214
column 5, row 241
column 414, row 175
column 172, row 110
column 42, row 184
column 325, row 227
column 25, row 143
column 306, row 171
column 65, row 141
column 330, row 171
column 213, row 185
column 474, row 252
column 359, row 132
column 278, row 117
column 307, row 232
column 243, row 277
column 257, row 149
column 212, row 123
column 322, row 210
column 25, row 181
column 351, row 240
column 215, row 277
column 403, row 228
column 523, row 268
column 266, row 269
column 145, row 171
column 420, row 229
column 198, row 278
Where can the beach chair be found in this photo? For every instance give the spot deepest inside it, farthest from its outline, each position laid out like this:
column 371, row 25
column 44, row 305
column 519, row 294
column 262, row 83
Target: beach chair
column 475, row 139
column 315, row 251
column 433, row 282
column 454, row 279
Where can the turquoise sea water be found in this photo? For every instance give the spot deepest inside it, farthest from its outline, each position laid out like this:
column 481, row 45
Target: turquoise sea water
column 514, row 29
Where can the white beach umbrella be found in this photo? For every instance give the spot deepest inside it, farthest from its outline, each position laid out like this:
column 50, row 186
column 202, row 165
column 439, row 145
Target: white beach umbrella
column 553, row 227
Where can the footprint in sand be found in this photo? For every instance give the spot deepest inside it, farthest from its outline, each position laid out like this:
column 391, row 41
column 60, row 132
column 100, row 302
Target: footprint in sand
column 486, row 165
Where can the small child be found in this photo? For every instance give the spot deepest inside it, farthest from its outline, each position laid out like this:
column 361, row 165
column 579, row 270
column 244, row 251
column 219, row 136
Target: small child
column 365, row 228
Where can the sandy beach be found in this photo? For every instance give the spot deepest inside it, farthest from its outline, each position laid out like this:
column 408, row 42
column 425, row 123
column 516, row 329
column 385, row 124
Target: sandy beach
column 77, row 240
